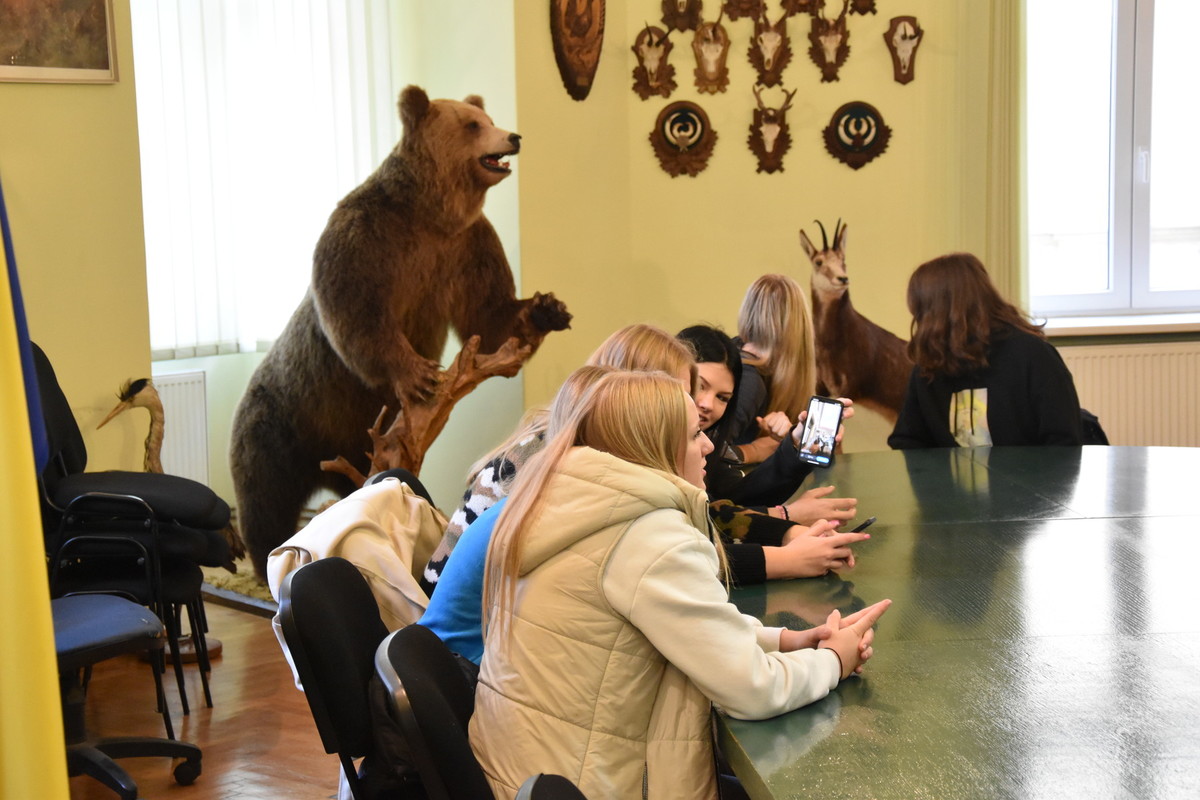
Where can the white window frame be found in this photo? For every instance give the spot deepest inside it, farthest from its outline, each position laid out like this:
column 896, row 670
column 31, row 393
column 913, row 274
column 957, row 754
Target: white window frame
column 1129, row 182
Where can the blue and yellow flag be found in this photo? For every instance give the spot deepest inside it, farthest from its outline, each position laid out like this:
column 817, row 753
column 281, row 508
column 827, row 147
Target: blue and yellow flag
column 32, row 754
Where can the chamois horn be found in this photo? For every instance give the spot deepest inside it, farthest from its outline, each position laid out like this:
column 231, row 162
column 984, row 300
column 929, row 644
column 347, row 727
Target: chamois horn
column 824, row 238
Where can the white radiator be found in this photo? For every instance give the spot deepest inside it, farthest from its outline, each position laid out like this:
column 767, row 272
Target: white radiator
column 1144, row 394
column 185, row 412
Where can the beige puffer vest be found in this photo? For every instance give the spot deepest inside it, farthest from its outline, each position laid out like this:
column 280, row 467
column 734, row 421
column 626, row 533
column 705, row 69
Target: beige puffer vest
column 595, row 702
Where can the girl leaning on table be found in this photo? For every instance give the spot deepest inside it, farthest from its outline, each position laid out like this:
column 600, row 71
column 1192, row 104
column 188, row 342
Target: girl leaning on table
column 609, row 631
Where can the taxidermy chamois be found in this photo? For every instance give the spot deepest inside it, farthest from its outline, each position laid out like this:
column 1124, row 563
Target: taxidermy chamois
column 855, row 357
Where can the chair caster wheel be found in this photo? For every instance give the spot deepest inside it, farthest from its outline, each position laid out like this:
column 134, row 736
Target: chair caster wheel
column 187, row 771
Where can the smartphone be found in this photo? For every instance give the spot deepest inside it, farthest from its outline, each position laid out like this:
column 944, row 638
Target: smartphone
column 868, row 522
column 820, row 429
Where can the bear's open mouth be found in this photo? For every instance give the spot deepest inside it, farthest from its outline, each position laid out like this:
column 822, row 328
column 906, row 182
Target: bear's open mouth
column 495, row 162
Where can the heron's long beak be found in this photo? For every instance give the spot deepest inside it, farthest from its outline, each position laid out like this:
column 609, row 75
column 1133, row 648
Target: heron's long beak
column 124, row 405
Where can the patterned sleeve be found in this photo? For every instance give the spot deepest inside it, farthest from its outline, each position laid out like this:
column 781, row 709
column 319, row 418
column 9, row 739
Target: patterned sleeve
column 487, row 487
column 739, row 524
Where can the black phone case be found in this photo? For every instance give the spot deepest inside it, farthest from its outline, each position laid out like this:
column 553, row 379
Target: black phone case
column 824, row 457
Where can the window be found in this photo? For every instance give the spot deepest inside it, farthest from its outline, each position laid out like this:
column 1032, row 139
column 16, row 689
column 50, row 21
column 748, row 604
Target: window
column 1113, row 171
column 254, row 119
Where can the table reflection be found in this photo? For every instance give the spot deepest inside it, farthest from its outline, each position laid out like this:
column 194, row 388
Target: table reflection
column 1042, row 641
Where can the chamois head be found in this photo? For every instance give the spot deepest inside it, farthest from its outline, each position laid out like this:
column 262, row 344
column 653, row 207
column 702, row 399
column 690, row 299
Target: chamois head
column 829, row 277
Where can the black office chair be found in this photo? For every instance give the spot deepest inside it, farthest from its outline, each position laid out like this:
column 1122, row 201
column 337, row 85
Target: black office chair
column 549, row 787
column 432, row 702
column 138, row 534
column 89, row 629
column 331, row 625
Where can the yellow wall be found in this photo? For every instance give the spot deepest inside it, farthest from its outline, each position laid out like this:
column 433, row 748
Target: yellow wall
column 69, row 162
column 621, row 241
column 600, row 223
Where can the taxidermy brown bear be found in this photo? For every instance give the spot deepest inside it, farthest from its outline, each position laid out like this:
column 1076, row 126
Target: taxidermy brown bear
column 404, row 256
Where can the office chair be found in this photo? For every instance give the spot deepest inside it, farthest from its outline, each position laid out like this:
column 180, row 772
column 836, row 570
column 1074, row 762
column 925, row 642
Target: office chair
column 549, row 787
column 432, row 702
column 142, row 535
column 404, row 476
column 89, row 629
column 331, row 625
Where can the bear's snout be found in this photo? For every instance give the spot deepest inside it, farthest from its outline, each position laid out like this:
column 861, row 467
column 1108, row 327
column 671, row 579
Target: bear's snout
column 515, row 140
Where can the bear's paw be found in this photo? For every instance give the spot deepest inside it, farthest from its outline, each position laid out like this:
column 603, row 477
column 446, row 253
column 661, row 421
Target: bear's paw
column 548, row 313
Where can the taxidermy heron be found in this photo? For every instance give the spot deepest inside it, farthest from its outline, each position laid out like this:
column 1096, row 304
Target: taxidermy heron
column 141, row 393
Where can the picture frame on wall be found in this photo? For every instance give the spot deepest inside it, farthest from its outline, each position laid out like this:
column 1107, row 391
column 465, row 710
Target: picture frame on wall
column 57, row 41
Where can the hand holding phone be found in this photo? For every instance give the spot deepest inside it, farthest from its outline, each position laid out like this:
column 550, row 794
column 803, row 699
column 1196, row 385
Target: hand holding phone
column 868, row 522
column 820, row 431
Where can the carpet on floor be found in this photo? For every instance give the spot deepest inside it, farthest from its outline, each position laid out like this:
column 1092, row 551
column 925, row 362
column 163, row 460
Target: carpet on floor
column 242, row 590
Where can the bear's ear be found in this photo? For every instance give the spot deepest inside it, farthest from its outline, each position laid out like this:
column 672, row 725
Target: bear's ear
column 474, row 100
column 414, row 104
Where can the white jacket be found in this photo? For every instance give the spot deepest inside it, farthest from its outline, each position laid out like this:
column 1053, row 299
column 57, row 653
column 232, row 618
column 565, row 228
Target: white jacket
column 385, row 530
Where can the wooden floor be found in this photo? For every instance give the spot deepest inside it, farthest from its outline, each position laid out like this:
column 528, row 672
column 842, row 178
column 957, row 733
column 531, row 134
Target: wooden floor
column 258, row 739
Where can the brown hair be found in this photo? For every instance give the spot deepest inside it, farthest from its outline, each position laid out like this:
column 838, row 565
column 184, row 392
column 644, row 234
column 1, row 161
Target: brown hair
column 957, row 311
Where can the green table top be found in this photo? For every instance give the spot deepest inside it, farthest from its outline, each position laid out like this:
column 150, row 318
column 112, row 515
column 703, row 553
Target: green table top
column 1042, row 640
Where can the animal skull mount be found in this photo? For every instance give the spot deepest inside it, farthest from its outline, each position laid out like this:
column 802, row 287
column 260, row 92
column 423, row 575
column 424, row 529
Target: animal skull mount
column 862, row 7
column 769, row 137
column 683, row 139
column 736, row 9
column 681, row 15
column 711, row 47
column 829, row 43
column 903, row 38
column 856, row 134
column 653, row 75
column 770, row 49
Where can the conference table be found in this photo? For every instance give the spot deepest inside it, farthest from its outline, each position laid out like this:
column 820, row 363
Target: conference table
column 1043, row 640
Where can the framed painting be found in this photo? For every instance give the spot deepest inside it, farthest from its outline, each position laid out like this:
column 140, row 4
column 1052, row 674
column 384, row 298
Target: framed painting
column 57, row 41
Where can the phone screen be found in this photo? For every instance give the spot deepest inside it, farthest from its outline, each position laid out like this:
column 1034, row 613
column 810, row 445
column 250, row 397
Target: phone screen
column 820, row 430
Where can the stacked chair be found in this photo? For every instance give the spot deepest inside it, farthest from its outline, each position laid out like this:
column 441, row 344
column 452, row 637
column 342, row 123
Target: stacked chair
column 143, row 536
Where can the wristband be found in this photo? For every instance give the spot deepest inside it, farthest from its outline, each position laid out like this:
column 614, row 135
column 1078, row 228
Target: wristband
column 783, row 510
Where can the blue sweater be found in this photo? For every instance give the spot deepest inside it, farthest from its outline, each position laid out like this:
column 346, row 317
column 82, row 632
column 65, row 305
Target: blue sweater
column 455, row 611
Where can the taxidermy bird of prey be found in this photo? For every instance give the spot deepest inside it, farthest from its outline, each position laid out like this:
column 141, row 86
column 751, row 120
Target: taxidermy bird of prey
column 141, row 393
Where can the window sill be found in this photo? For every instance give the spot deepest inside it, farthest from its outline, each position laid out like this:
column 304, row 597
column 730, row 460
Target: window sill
column 1124, row 325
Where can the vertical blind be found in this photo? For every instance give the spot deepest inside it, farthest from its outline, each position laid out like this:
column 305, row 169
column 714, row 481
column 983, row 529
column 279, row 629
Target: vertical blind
column 255, row 117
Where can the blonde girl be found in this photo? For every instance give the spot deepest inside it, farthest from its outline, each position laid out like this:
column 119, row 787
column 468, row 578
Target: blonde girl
column 609, row 631
column 775, row 335
column 647, row 348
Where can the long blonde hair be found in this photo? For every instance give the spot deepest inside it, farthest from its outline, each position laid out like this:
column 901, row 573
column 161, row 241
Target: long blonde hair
column 775, row 319
column 639, row 417
column 646, row 347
